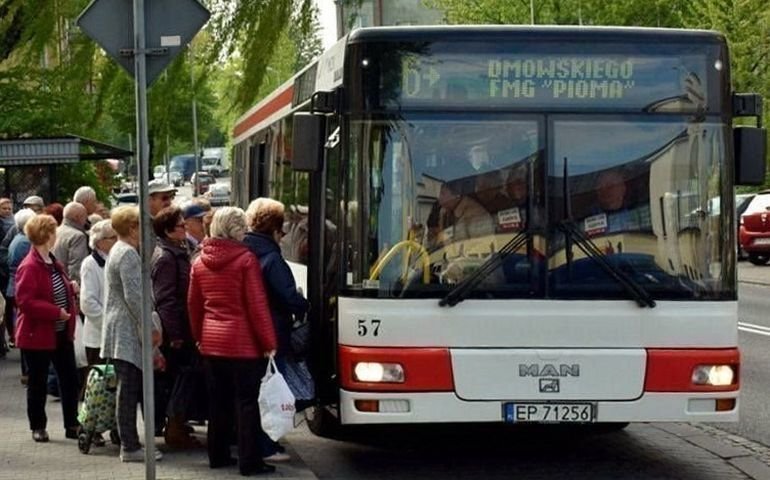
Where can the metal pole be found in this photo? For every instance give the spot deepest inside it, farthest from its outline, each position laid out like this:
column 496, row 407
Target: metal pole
column 195, row 127
column 147, row 245
column 532, row 12
column 168, row 156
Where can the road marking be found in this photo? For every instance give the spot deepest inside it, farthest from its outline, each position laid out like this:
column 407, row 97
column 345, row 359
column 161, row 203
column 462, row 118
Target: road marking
column 752, row 328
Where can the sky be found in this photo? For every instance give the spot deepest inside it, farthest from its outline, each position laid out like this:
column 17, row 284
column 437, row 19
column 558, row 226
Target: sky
column 328, row 19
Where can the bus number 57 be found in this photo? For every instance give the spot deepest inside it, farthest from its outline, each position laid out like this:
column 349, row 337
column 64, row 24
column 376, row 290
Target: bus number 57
column 368, row 327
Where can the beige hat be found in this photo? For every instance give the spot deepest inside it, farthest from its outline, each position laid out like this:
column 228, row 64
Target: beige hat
column 34, row 200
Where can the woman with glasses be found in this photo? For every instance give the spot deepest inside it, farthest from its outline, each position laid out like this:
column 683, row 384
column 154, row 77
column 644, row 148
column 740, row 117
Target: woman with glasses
column 170, row 279
column 265, row 218
column 101, row 239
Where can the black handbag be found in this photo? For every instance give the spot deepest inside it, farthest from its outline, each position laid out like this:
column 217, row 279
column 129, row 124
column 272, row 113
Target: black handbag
column 300, row 337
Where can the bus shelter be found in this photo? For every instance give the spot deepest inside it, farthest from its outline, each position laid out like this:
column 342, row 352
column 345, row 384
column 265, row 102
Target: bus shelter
column 28, row 166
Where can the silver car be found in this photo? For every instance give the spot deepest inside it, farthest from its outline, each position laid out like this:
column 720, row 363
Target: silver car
column 218, row 194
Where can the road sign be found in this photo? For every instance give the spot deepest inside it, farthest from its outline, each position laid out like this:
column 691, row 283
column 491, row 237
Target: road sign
column 169, row 26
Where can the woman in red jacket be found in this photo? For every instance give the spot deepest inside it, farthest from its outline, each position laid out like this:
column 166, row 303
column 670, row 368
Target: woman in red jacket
column 230, row 321
column 45, row 297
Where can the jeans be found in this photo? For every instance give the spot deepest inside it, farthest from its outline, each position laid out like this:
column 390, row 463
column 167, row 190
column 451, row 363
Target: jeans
column 38, row 361
column 234, row 383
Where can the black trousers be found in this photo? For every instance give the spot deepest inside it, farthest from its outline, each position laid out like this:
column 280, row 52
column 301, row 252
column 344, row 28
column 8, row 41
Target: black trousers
column 234, row 383
column 38, row 361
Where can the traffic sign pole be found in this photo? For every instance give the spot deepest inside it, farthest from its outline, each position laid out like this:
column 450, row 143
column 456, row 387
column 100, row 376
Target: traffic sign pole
column 148, row 244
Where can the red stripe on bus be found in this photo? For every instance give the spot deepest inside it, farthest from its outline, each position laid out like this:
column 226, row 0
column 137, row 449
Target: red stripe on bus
column 670, row 370
column 277, row 103
column 425, row 369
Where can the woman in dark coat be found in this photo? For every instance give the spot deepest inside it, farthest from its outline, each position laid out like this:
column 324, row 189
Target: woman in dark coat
column 170, row 280
column 265, row 217
column 45, row 297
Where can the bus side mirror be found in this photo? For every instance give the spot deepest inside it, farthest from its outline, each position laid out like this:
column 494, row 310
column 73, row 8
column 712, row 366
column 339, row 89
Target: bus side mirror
column 750, row 145
column 308, row 143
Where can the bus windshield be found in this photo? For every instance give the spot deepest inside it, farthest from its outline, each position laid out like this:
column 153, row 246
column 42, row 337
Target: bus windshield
column 445, row 191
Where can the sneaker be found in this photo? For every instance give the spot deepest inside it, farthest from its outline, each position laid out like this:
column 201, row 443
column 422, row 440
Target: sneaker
column 40, row 436
column 137, row 455
column 277, row 457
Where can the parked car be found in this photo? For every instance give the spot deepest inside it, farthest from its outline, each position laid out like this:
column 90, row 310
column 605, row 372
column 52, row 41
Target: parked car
column 219, row 194
column 742, row 201
column 172, row 178
column 754, row 229
column 204, row 180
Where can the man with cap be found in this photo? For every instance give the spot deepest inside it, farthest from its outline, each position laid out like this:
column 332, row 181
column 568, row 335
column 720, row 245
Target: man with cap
column 193, row 214
column 161, row 194
column 35, row 203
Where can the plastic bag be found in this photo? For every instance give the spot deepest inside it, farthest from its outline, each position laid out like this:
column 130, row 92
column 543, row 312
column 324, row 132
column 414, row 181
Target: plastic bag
column 80, row 349
column 276, row 403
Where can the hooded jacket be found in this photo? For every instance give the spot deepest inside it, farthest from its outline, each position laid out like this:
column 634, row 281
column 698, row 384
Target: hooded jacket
column 282, row 293
column 227, row 303
column 36, row 327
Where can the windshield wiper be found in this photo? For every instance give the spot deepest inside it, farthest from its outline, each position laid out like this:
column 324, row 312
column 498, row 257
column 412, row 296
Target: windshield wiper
column 642, row 297
column 584, row 243
column 461, row 290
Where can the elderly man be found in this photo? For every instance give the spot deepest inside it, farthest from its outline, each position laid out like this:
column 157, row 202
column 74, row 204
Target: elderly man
column 86, row 196
column 193, row 214
column 161, row 194
column 71, row 246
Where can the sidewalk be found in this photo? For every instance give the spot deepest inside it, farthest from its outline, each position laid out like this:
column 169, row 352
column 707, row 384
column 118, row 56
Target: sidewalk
column 23, row 459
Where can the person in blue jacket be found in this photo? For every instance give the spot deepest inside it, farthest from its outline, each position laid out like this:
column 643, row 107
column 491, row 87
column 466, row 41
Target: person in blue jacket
column 265, row 219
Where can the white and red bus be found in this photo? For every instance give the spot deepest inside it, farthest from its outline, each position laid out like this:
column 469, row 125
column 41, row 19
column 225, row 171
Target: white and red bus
column 512, row 224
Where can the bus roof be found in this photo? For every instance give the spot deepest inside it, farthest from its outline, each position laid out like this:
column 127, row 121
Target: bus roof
column 534, row 32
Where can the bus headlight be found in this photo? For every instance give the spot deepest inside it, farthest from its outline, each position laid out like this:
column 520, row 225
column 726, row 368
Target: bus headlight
column 378, row 372
column 715, row 375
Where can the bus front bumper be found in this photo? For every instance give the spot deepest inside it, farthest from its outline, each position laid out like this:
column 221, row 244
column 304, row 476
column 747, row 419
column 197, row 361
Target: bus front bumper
column 447, row 407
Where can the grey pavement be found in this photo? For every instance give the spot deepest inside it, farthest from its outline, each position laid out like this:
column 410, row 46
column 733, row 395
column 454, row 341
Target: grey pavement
column 22, row 458
column 753, row 274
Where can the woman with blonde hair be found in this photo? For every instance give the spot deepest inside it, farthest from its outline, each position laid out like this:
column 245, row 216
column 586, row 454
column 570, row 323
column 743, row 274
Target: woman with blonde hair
column 122, row 327
column 45, row 297
column 230, row 322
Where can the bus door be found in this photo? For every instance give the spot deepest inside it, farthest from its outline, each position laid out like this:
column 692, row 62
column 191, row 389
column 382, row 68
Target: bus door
column 323, row 263
column 258, row 174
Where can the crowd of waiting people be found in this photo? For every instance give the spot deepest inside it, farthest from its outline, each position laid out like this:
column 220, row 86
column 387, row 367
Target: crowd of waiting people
column 224, row 296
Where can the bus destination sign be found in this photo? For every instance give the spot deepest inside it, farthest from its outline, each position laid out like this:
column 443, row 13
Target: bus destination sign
column 554, row 81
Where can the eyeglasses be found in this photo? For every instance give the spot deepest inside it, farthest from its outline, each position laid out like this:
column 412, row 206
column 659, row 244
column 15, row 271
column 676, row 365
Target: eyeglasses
column 167, row 198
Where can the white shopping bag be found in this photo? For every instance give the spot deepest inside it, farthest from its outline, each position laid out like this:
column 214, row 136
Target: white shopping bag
column 276, row 403
column 81, row 360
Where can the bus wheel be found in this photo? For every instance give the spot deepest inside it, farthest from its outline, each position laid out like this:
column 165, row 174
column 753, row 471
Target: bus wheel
column 323, row 422
column 758, row 258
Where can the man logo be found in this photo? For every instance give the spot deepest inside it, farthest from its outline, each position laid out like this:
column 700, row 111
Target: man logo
column 549, row 385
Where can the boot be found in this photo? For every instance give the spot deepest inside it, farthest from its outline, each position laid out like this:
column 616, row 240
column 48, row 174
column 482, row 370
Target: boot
column 177, row 436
